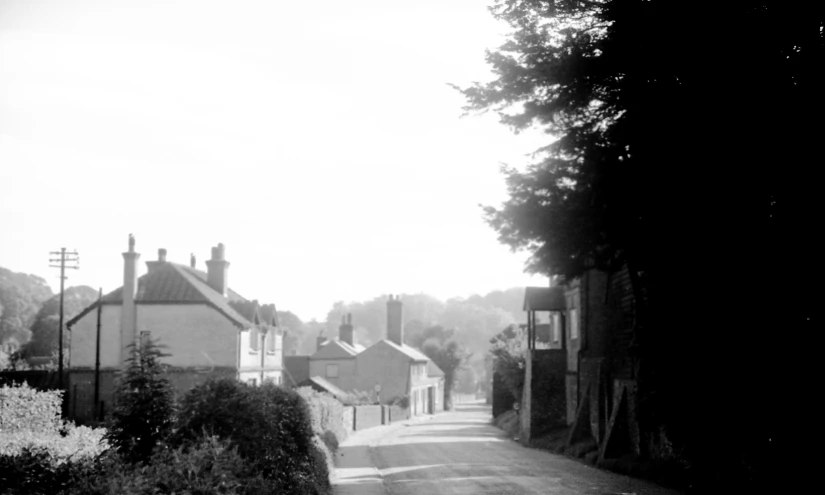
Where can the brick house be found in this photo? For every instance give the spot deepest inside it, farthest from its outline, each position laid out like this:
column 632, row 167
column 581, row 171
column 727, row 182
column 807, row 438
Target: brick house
column 386, row 370
column 586, row 378
column 207, row 329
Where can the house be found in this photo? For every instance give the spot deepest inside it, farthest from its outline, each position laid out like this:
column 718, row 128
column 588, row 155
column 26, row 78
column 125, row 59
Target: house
column 393, row 370
column 207, row 329
column 586, row 379
column 334, row 360
column 385, row 371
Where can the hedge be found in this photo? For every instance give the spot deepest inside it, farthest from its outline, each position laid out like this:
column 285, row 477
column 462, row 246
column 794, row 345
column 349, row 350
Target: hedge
column 270, row 426
column 23, row 408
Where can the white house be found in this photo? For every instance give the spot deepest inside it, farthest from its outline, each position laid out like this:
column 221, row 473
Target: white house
column 207, row 329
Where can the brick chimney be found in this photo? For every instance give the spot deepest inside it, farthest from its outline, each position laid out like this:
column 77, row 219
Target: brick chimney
column 345, row 331
column 216, row 270
column 128, row 315
column 395, row 330
column 319, row 341
column 151, row 266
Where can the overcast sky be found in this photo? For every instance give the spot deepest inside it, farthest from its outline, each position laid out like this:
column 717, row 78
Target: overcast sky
column 319, row 141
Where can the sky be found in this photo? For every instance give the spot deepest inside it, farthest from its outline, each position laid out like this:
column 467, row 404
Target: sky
column 318, row 141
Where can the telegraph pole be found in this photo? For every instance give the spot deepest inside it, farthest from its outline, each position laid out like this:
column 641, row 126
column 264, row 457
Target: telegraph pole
column 71, row 260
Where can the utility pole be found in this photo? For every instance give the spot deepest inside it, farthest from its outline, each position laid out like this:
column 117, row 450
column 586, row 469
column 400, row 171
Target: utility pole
column 67, row 260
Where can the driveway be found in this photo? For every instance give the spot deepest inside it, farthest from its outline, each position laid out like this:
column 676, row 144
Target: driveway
column 459, row 452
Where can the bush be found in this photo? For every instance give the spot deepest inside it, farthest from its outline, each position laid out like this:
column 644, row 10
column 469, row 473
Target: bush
column 35, row 471
column 70, row 442
column 209, row 466
column 270, row 426
column 144, row 405
column 23, row 408
column 327, row 416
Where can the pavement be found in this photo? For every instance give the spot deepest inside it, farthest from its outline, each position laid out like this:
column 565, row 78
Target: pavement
column 460, row 452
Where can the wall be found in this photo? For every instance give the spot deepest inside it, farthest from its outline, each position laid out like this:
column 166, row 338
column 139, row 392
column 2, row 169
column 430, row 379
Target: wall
column 83, row 339
column 544, row 401
column 382, row 364
column 368, row 417
column 194, row 334
column 347, row 370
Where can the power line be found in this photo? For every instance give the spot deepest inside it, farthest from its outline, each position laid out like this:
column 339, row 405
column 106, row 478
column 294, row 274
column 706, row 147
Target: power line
column 71, row 260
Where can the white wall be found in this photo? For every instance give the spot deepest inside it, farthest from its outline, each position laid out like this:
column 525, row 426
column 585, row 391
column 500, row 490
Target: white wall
column 194, row 334
column 84, row 334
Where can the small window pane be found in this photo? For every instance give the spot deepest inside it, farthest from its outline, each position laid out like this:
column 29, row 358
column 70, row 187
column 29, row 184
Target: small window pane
column 574, row 324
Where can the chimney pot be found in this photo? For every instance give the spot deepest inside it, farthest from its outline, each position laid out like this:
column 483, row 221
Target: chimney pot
column 192, row 260
column 161, row 254
column 217, row 268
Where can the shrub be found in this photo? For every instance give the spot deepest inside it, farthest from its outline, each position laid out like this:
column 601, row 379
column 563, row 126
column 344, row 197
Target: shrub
column 401, row 401
column 144, row 405
column 327, row 416
column 35, row 471
column 270, row 426
column 23, row 408
column 70, row 442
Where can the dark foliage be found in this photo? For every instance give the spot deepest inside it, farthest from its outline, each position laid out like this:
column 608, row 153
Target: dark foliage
column 270, row 426
column 685, row 136
column 144, row 405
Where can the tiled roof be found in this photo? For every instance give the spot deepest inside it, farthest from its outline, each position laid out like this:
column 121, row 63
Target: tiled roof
column 171, row 283
column 410, row 352
column 318, row 382
column 544, row 298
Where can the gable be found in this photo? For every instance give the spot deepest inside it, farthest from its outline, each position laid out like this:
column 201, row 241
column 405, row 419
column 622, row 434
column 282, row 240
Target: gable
column 384, row 349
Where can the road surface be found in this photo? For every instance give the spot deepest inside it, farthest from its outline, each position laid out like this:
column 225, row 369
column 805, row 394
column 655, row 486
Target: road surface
column 460, row 452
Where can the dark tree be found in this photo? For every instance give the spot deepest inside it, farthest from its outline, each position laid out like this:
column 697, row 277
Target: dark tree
column 681, row 138
column 144, row 404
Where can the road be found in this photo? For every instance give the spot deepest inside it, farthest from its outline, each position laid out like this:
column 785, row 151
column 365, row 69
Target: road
column 460, row 452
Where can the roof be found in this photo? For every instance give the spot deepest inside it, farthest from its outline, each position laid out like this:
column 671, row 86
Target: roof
column 433, row 370
column 336, row 349
column 410, row 352
column 171, row 283
column 322, row 385
column 544, row 298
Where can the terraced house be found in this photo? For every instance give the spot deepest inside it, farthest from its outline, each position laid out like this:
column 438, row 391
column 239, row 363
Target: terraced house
column 207, row 329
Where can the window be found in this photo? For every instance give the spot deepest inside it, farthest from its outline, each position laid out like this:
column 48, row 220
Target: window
column 332, row 371
column 574, row 324
column 252, row 381
column 556, row 327
column 254, row 338
column 145, row 337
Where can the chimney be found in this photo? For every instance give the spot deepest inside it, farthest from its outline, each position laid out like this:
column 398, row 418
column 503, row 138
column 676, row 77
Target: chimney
column 395, row 331
column 151, row 266
column 319, row 342
column 216, row 270
column 128, row 314
column 345, row 331
column 192, row 260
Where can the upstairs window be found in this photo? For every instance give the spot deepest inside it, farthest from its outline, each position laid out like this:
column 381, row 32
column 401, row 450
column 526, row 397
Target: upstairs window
column 574, row 324
column 254, row 338
column 332, row 371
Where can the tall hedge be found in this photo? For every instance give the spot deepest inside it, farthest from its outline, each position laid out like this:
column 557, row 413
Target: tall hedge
column 23, row 408
column 270, row 426
column 327, row 416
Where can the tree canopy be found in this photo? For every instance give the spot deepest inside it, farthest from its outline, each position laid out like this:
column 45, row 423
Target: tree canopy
column 680, row 143
column 44, row 336
column 21, row 295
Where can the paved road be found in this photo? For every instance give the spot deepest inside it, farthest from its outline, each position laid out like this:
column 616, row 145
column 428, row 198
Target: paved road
column 461, row 453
